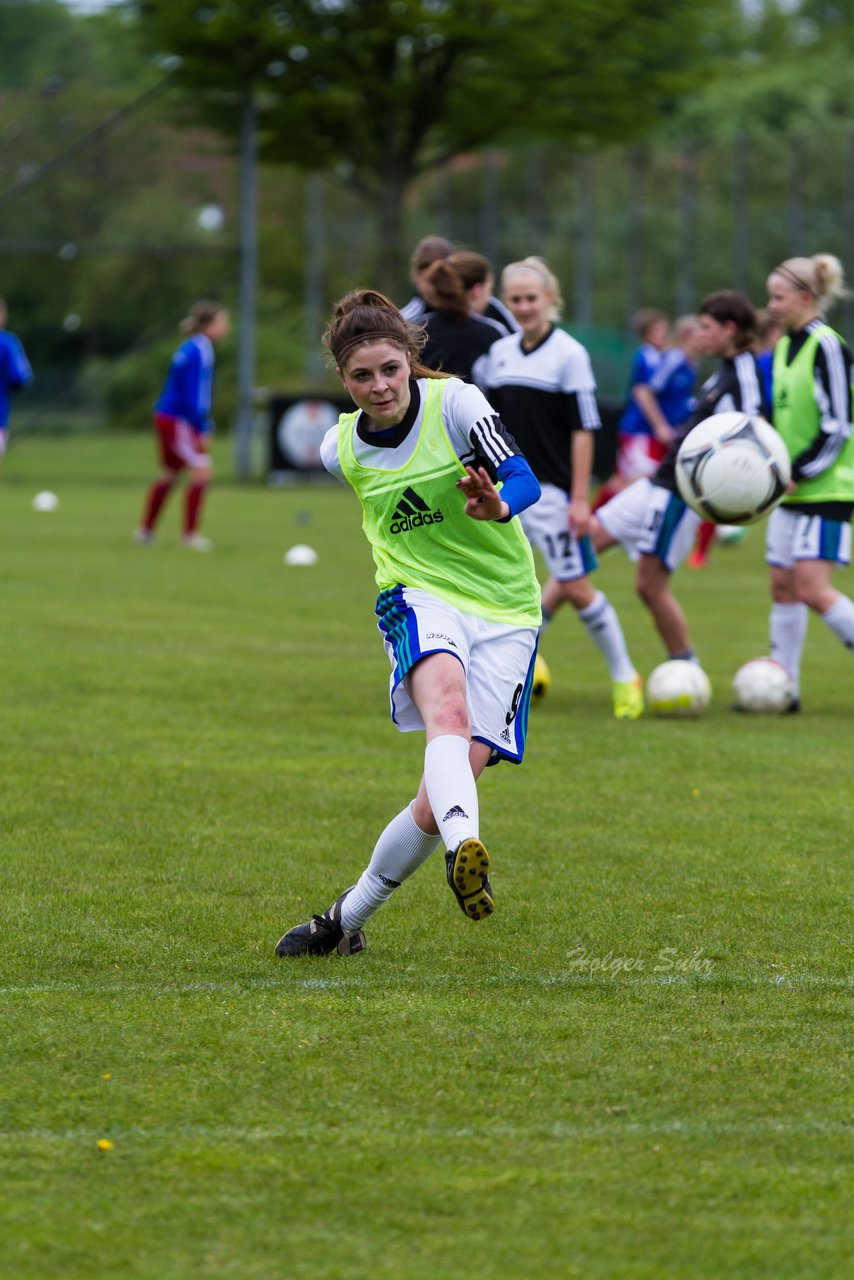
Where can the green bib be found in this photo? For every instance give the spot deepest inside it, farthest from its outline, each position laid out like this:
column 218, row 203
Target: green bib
column 420, row 537
column 797, row 418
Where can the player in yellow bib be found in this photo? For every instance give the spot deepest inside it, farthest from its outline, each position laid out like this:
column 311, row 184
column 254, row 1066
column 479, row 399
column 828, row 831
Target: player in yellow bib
column 440, row 482
column 809, row 534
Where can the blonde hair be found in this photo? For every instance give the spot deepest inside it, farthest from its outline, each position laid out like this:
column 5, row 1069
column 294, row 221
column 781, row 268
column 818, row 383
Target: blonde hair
column 535, row 266
column 822, row 276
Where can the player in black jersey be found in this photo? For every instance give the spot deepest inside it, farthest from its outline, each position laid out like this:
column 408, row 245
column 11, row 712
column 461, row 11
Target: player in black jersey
column 456, row 289
column 649, row 518
column 541, row 382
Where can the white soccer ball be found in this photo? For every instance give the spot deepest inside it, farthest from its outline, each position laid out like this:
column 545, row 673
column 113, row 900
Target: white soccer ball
column 45, row 501
column 301, row 554
column 763, row 684
column 678, row 688
column 733, row 468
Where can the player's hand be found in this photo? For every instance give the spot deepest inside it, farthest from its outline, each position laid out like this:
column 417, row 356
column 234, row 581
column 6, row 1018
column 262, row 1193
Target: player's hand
column 579, row 517
column 483, row 501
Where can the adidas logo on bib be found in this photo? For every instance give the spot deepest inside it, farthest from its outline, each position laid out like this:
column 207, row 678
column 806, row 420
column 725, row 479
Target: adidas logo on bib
column 412, row 512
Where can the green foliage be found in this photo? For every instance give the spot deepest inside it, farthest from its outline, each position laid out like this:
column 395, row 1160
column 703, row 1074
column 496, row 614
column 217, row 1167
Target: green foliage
column 384, row 92
column 636, row 1068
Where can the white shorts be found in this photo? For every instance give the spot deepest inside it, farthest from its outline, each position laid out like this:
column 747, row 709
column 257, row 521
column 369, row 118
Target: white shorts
column 793, row 535
column 652, row 521
column 638, row 456
column 546, row 526
column 498, row 660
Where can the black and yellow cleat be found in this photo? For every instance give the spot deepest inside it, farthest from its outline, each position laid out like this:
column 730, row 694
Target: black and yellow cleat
column 467, row 868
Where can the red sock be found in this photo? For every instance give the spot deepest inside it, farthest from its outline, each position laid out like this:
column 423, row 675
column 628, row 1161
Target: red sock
column 705, row 533
column 606, row 492
column 193, row 507
column 157, row 495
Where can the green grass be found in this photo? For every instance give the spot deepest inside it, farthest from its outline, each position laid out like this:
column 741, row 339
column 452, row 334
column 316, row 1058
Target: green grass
column 637, row 1068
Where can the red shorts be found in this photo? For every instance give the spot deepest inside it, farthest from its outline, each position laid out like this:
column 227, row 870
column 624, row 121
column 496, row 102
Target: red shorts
column 638, row 456
column 180, row 444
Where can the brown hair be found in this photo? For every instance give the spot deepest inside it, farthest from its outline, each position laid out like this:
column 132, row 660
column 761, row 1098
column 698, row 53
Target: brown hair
column 364, row 315
column 200, row 315
column 428, row 251
column 730, row 305
column 643, row 321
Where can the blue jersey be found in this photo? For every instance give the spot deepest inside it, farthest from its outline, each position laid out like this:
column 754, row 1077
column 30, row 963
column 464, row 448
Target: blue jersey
column 188, row 390
column 644, row 364
column 15, row 372
column 673, row 386
column 765, row 361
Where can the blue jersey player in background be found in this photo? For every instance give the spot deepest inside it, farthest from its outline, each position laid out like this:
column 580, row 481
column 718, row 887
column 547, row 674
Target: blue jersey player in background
column 15, row 372
column 183, row 422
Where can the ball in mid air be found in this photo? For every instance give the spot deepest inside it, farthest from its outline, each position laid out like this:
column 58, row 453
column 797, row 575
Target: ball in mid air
column 733, row 468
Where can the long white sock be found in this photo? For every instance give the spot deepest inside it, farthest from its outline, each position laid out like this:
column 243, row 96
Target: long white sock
column 603, row 627
column 788, row 628
column 400, row 851
column 840, row 618
column 451, row 788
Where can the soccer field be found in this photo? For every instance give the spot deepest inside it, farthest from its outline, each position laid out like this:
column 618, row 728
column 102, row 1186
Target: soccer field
column 638, row 1068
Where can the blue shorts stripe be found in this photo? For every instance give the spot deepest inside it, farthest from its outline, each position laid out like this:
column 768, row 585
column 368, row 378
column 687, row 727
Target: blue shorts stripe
column 588, row 557
column 830, row 539
column 670, row 522
column 399, row 626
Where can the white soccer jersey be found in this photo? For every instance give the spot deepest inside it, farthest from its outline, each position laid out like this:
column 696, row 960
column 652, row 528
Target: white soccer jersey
column 542, row 395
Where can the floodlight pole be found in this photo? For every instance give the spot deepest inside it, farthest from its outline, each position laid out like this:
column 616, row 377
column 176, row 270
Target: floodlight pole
column 248, row 284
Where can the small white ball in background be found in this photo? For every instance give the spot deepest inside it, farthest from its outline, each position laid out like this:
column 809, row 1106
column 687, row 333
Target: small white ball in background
column 210, row 218
column 301, row 554
column 45, row 501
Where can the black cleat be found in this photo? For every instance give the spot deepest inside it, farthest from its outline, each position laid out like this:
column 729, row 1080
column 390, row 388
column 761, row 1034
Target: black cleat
column 467, row 867
column 793, row 708
column 322, row 934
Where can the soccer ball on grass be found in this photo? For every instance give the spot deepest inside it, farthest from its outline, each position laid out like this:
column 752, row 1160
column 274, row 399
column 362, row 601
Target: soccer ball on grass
column 732, row 468
column 678, row 688
column 763, row 684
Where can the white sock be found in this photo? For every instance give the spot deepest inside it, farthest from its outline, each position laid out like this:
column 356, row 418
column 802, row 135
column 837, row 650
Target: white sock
column 451, row 788
column 840, row 618
column 788, row 633
column 400, row 851
column 603, row 627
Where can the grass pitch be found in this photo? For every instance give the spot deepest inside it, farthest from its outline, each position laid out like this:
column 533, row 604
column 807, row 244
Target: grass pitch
column 636, row 1068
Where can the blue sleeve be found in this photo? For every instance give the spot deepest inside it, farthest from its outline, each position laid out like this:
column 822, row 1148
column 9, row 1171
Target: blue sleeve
column 520, row 487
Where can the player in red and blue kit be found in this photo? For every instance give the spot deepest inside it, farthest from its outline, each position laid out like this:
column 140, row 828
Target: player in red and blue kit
column 182, row 420
column 15, row 372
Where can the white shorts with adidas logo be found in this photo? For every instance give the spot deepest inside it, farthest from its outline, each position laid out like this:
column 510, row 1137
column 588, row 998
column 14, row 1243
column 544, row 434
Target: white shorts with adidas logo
column 498, row 661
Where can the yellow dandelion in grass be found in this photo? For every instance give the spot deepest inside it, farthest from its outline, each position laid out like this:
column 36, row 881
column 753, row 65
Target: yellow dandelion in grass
column 695, row 792
column 108, row 1075
column 104, row 1144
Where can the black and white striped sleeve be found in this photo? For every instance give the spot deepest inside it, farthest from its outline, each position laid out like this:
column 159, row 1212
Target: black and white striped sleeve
column 748, row 384
column 476, row 431
column 833, row 397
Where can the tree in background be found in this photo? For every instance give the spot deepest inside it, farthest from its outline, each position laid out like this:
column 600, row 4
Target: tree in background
column 381, row 91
